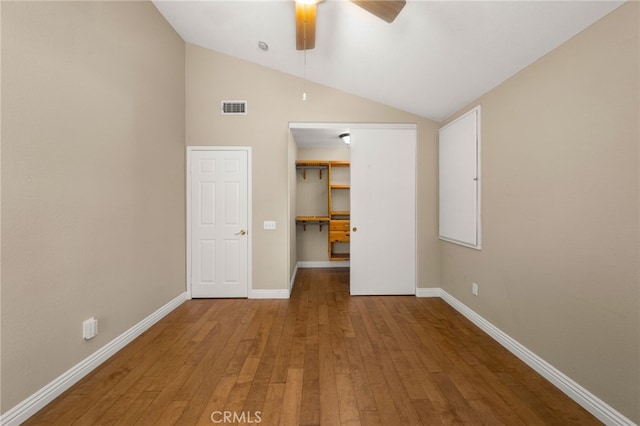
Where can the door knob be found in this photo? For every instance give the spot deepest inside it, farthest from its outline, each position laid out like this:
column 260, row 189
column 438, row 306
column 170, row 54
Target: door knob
column 242, row 232
column 355, row 229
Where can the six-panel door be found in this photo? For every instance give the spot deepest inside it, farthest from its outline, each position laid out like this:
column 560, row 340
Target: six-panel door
column 219, row 218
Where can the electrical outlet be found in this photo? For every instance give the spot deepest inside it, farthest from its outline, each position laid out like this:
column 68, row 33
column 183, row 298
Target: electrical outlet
column 269, row 224
column 90, row 328
column 474, row 289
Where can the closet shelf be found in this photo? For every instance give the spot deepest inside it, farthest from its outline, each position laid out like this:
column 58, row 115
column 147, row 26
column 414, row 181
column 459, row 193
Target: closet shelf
column 312, row 164
column 339, row 256
column 312, row 220
column 305, row 165
column 346, row 214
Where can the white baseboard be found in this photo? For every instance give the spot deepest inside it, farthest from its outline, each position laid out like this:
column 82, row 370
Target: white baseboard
column 269, row 294
column 600, row 409
column 48, row 393
column 293, row 279
column 275, row 293
column 323, row 264
column 428, row 292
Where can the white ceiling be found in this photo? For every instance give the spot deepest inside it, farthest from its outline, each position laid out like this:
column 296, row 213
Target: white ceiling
column 435, row 58
column 319, row 135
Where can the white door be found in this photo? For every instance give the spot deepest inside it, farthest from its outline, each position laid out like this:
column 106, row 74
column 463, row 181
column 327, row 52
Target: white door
column 218, row 210
column 383, row 211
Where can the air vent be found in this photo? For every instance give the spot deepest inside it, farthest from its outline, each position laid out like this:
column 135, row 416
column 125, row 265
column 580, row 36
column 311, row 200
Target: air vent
column 234, row 107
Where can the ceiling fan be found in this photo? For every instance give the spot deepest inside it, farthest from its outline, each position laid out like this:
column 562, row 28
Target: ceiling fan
column 306, row 17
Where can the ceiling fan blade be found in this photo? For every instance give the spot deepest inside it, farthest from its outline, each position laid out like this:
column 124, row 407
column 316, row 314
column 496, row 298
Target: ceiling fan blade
column 386, row 10
column 305, row 26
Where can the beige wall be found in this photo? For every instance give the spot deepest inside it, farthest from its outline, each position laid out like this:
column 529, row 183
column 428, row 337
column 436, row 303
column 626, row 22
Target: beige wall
column 274, row 99
column 92, row 180
column 559, row 269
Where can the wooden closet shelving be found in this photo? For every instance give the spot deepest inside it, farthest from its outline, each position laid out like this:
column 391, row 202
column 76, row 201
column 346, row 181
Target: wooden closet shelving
column 339, row 218
column 312, row 220
column 337, row 197
column 306, row 165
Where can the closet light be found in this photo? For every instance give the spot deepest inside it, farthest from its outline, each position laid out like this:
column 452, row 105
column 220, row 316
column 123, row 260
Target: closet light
column 346, row 138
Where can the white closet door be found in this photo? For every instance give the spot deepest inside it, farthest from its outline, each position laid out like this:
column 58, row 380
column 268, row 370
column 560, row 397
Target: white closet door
column 218, row 212
column 383, row 211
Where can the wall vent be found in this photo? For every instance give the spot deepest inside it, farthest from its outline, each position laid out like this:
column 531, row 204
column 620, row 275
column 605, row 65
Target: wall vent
column 234, row 107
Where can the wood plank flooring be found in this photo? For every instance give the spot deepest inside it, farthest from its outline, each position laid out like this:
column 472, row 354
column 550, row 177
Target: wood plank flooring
column 319, row 358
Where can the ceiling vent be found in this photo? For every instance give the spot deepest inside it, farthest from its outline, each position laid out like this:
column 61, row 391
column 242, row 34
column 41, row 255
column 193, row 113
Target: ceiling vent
column 234, row 107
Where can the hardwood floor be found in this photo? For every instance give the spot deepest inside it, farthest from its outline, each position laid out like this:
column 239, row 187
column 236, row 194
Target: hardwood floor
column 321, row 357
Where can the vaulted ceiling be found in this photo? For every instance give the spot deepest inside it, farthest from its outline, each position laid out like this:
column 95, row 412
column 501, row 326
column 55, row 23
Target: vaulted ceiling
column 436, row 57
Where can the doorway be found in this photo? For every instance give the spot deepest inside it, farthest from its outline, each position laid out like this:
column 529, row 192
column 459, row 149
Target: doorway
column 382, row 202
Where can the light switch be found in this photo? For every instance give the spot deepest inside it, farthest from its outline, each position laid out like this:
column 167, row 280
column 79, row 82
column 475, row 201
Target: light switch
column 270, row 224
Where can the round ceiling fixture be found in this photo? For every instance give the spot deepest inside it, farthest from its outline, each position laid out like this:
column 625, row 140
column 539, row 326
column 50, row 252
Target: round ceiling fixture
column 263, row 46
column 346, row 138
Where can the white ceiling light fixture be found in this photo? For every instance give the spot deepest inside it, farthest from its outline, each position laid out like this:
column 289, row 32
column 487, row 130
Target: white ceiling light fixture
column 346, row 138
column 263, row 46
